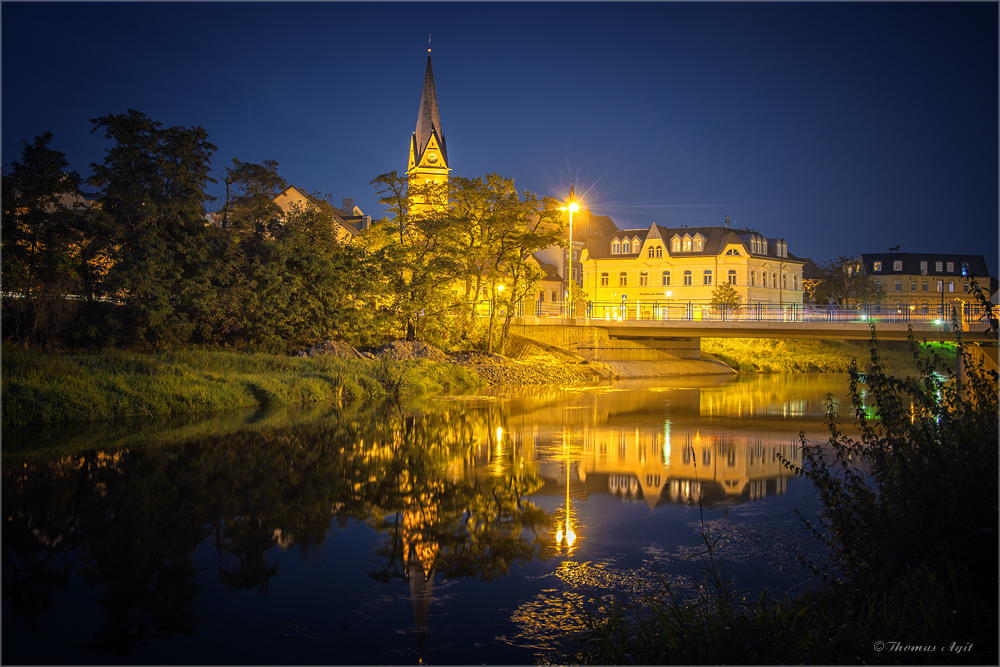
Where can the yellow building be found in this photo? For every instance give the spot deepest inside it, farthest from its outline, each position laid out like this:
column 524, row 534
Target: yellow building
column 923, row 281
column 675, row 265
column 348, row 222
column 428, row 163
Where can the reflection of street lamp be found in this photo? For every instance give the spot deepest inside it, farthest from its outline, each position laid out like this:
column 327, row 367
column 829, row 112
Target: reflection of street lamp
column 570, row 206
column 668, row 294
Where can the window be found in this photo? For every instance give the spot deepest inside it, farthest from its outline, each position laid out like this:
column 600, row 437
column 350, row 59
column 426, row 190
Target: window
column 574, row 255
column 652, row 252
column 643, row 278
column 763, row 246
column 541, row 295
column 965, row 268
column 923, row 269
column 899, row 285
column 937, row 267
column 795, row 283
column 675, row 244
column 659, row 251
column 897, row 265
column 924, row 288
column 604, row 279
column 687, row 244
column 784, row 281
column 951, row 285
column 965, row 287
column 616, row 248
column 774, row 280
column 940, row 285
column 913, row 285
column 623, row 279
column 625, row 248
column 698, row 242
column 733, row 252
column 732, row 276
column 706, row 278
column 687, row 277
column 666, row 279
column 951, row 267
column 877, row 266
column 555, row 295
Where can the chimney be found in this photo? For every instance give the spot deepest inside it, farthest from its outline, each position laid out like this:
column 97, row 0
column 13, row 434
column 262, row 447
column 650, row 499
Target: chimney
column 348, row 206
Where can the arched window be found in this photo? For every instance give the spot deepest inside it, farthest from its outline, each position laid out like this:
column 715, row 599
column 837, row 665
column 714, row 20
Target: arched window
column 795, row 284
column 666, row 278
column 651, row 251
column 774, row 280
column 604, row 279
column 733, row 252
column 732, row 276
column 784, row 281
column 643, row 278
column 753, row 279
column 706, row 278
column 623, row 279
column 687, row 277
column 659, row 251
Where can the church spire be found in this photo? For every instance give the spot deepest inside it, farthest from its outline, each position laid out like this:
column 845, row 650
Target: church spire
column 428, row 163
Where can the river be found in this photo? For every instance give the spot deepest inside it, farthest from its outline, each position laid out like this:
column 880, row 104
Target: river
column 462, row 530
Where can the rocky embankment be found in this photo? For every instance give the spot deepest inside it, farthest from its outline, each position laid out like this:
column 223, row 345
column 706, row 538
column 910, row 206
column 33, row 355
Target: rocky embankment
column 528, row 364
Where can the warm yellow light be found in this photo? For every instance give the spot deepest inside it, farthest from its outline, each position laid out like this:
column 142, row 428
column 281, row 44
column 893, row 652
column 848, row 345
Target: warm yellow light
column 573, row 207
column 499, row 435
column 499, row 288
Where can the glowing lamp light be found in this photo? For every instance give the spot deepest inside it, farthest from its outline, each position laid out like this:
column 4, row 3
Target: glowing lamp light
column 499, row 435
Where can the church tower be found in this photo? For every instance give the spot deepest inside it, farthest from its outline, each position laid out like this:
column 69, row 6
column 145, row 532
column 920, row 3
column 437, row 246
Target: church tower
column 428, row 154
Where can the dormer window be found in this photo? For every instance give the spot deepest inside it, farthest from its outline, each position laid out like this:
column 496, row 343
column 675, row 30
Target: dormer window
column 636, row 244
column 626, row 249
column 616, row 248
column 877, row 266
column 675, row 244
column 763, row 246
column 687, row 243
column 699, row 242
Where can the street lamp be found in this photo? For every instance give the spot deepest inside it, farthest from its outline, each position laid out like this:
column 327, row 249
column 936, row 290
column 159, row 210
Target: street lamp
column 570, row 206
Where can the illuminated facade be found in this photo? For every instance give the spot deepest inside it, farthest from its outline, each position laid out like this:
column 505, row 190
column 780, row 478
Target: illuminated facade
column 926, row 280
column 686, row 264
column 349, row 219
column 428, row 163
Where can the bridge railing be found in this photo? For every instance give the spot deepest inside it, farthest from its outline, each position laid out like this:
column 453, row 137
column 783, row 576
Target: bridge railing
column 693, row 311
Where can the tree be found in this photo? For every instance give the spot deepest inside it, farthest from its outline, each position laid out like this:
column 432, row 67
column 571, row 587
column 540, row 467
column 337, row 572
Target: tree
column 725, row 296
column 152, row 224
column 843, row 281
column 249, row 200
column 41, row 239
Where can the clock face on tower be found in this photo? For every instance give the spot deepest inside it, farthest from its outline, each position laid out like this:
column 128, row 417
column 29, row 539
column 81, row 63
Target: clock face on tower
column 432, row 158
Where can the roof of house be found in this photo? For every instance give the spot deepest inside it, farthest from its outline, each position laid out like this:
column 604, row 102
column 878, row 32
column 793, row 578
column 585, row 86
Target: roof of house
column 975, row 265
column 716, row 239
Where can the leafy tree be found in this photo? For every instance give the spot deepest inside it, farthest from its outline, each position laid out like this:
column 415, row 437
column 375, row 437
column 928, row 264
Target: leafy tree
column 844, row 281
column 725, row 296
column 417, row 251
column 152, row 224
column 42, row 238
column 248, row 204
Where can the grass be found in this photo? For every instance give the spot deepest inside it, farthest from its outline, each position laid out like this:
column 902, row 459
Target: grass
column 46, row 388
column 761, row 355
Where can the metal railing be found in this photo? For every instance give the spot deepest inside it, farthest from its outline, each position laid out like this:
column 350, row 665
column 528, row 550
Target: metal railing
column 693, row 311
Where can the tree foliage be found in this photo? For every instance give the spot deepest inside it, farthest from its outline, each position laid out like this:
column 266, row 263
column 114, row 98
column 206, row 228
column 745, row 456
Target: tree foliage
column 843, row 281
column 725, row 295
column 42, row 239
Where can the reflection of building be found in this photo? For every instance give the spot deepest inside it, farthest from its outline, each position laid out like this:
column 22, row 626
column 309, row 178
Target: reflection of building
column 926, row 280
column 689, row 263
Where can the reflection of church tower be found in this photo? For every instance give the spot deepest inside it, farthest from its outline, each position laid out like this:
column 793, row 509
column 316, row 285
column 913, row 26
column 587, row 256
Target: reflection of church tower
column 420, row 550
column 428, row 163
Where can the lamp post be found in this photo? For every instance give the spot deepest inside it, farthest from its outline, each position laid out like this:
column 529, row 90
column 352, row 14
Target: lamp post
column 570, row 206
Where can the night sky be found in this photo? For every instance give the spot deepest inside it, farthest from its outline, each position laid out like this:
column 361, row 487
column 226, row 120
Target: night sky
column 844, row 128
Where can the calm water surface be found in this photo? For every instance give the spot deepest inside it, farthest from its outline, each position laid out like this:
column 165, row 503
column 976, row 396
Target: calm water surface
column 461, row 531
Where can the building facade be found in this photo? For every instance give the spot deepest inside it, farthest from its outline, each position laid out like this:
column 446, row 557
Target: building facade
column 686, row 264
column 926, row 280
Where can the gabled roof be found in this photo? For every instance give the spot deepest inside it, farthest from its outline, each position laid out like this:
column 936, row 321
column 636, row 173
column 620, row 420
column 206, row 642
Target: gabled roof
column 551, row 270
column 716, row 239
column 338, row 215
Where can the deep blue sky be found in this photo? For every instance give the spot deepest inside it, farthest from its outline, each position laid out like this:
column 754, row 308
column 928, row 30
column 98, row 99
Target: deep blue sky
column 844, row 128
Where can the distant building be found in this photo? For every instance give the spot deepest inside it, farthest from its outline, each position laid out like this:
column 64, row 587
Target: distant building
column 685, row 264
column 922, row 280
column 428, row 162
column 349, row 219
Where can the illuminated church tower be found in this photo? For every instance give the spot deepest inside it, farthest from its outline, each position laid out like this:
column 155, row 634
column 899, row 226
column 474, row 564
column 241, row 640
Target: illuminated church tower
column 428, row 154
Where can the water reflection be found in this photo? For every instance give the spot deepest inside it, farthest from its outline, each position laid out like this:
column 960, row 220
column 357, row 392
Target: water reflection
column 154, row 521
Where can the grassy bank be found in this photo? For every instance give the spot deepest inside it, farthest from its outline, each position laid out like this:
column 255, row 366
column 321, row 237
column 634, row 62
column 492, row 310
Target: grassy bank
column 762, row 355
column 51, row 388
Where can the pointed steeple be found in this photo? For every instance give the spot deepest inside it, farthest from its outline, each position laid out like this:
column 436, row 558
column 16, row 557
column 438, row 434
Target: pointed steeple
column 428, row 116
